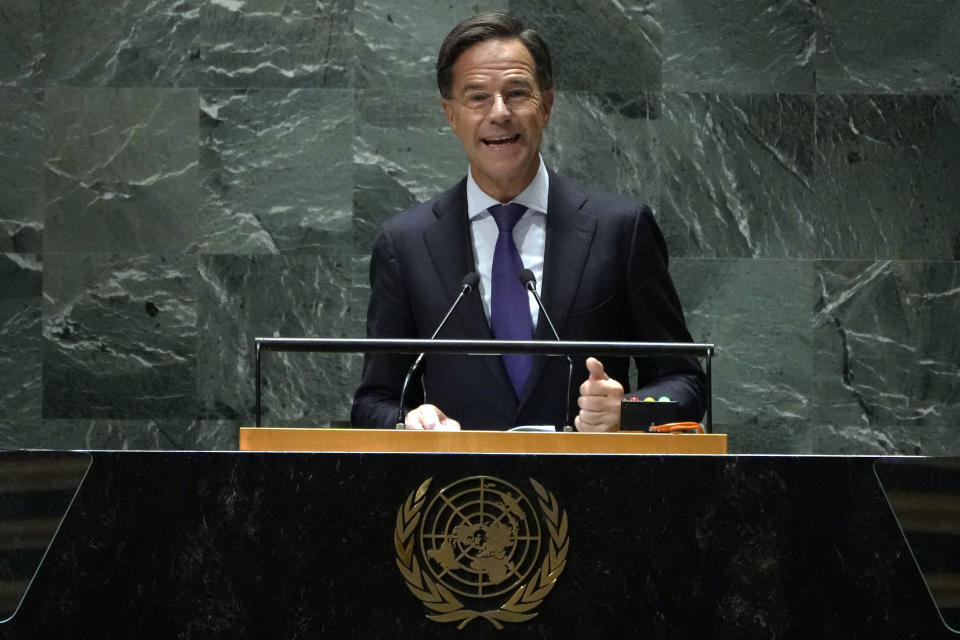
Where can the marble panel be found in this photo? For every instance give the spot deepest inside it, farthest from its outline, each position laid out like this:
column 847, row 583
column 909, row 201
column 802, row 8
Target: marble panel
column 888, row 46
column 737, row 175
column 21, row 376
column 123, row 43
column 887, row 356
column 213, row 435
column 275, row 170
column 125, row 435
column 758, row 314
column 119, row 337
column 886, row 440
column 403, row 153
column 356, row 326
column 886, row 177
column 13, row 432
column 21, row 171
column 396, row 47
column 21, row 44
column 121, row 170
column 244, row 297
column 599, row 45
column 132, row 435
column 750, row 46
column 277, row 43
column 606, row 141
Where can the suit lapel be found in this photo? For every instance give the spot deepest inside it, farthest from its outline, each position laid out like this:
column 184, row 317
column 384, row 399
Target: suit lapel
column 570, row 232
column 451, row 250
column 448, row 243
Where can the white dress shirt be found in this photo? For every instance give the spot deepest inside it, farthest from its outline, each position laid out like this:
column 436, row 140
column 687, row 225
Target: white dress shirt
column 530, row 233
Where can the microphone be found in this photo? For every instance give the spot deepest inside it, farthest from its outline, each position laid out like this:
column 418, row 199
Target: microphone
column 529, row 282
column 468, row 284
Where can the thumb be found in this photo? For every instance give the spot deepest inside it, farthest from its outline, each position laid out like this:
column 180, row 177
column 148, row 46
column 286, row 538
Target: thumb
column 595, row 367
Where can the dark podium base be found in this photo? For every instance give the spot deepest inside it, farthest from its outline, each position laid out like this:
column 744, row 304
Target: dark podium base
column 300, row 545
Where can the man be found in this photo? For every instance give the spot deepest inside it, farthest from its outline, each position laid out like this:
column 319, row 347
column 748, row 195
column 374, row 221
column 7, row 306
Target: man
column 600, row 262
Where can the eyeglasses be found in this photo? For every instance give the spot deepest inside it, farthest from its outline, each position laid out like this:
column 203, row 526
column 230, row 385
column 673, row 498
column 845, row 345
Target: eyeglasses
column 513, row 99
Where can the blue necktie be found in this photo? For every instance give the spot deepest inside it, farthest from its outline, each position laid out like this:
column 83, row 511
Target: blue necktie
column 509, row 306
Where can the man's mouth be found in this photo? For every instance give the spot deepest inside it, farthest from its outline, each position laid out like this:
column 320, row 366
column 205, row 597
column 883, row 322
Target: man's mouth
column 497, row 142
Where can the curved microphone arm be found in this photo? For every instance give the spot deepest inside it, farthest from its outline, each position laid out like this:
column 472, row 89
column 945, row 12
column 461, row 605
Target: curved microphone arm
column 529, row 282
column 467, row 285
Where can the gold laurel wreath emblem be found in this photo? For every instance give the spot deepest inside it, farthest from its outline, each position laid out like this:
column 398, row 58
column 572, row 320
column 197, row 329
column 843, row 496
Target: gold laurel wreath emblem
column 521, row 603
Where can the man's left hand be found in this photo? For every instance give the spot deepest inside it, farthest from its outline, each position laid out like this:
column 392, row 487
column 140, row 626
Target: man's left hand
column 600, row 398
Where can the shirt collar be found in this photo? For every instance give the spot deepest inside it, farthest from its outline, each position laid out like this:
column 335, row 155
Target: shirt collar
column 533, row 197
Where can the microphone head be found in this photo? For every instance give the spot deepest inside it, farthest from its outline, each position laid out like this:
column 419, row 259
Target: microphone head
column 470, row 281
column 527, row 279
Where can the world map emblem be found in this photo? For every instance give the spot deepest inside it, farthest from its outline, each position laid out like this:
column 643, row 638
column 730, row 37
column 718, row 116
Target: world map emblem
column 480, row 548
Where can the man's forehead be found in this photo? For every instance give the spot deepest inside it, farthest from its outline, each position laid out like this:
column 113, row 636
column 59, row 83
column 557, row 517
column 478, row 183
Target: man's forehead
column 498, row 58
column 512, row 80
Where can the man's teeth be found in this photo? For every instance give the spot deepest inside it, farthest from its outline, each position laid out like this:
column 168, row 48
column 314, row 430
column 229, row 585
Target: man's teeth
column 501, row 140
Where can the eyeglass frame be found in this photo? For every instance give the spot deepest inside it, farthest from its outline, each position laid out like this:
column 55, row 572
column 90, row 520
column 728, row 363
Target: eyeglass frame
column 534, row 96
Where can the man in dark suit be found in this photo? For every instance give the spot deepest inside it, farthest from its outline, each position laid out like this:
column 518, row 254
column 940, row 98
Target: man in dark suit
column 600, row 259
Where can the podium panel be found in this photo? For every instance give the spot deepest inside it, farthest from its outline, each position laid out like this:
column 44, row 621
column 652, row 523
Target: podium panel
column 396, row 545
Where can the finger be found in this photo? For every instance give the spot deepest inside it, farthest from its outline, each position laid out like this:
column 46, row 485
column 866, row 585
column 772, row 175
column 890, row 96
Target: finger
column 449, row 424
column 606, row 420
column 412, row 420
column 596, row 403
column 423, row 417
column 429, row 416
column 593, row 413
column 445, row 422
column 595, row 367
column 587, row 421
column 608, row 387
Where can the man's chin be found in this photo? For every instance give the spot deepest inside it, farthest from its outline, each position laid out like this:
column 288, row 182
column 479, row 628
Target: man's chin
column 503, row 185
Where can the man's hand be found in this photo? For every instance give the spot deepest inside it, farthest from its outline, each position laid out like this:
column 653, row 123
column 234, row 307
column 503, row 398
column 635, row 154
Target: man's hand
column 600, row 398
column 428, row 416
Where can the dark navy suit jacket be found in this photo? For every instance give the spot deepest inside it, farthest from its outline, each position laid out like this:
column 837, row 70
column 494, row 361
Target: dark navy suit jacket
column 605, row 278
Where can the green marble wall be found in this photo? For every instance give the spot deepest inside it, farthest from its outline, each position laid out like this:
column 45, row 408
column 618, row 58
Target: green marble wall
column 177, row 177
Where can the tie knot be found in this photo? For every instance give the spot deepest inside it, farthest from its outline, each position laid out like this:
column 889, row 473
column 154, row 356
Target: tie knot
column 507, row 215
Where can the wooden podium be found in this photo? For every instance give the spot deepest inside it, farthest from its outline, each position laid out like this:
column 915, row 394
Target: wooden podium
column 401, row 441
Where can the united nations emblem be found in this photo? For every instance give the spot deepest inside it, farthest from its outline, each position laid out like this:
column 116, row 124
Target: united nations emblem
column 480, row 539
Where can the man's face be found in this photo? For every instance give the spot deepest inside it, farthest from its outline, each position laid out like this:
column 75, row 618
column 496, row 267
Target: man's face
column 502, row 136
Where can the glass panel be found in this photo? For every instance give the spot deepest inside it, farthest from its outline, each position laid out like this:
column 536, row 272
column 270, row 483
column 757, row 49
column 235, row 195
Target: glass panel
column 36, row 491
column 924, row 494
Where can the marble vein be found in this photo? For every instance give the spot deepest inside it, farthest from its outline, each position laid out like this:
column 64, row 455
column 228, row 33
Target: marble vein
column 876, row 271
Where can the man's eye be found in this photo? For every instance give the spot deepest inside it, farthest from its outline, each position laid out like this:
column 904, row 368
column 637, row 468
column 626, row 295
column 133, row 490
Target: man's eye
column 477, row 98
column 517, row 94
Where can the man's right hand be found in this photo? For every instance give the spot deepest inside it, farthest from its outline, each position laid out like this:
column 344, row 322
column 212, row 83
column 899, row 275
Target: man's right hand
column 428, row 416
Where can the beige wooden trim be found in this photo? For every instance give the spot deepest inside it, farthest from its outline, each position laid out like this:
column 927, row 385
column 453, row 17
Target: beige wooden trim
column 394, row 440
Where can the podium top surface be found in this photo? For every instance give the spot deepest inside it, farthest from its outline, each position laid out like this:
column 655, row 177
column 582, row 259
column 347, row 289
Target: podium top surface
column 402, row 441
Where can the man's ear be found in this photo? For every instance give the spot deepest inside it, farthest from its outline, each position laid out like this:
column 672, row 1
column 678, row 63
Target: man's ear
column 546, row 103
column 449, row 112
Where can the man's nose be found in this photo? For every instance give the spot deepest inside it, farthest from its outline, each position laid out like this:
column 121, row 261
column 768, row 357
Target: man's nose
column 498, row 109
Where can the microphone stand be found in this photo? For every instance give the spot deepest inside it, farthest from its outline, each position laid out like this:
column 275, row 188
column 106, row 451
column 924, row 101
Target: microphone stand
column 466, row 286
column 529, row 281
